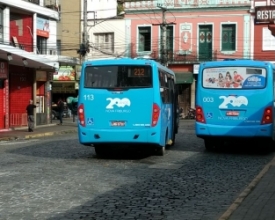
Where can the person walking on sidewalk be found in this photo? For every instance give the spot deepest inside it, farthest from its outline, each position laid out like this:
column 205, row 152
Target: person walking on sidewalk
column 60, row 107
column 30, row 113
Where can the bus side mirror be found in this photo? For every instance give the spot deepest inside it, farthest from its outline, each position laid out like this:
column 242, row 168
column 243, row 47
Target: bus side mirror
column 161, row 89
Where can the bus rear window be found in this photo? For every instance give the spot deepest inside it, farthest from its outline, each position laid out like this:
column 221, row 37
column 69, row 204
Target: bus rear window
column 121, row 76
column 234, row 78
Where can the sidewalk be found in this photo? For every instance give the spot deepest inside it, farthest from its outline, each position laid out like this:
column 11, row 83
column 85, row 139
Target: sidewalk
column 41, row 131
column 257, row 201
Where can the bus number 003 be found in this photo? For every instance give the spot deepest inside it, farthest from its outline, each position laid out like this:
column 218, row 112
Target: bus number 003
column 208, row 99
column 139, row 72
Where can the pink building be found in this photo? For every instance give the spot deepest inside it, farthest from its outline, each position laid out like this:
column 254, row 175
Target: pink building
column 197, row 31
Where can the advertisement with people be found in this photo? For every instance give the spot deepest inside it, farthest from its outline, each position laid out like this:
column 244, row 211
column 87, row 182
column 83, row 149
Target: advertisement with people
column 43, row 27
column 65, row 73
column 234, row 78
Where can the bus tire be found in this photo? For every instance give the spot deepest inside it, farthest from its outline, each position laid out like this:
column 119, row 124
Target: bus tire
column 160, row 151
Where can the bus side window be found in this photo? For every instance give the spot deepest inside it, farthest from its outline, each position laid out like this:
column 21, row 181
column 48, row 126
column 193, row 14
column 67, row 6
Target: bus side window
column 164, row 86
column 171, row 90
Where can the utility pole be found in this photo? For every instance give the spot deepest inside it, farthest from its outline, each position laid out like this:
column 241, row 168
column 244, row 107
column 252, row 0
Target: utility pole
column 85, row 24
column 84, row 46
column 163, row 43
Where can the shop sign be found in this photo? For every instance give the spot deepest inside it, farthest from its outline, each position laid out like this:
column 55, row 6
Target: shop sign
column 42, row 27
column 3, row 70
column 41, row 76
column 265, row 14
column 64, row 73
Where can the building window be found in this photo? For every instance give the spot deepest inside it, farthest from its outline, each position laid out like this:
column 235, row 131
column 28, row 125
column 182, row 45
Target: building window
column 144, row 39
column 228, row 37
column 41, row 45
column 104, row 42
column 170, row 41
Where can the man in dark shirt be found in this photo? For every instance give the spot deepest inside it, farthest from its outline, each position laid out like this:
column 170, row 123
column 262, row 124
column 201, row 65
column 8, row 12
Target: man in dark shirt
column 30, row 109
column 60, row 106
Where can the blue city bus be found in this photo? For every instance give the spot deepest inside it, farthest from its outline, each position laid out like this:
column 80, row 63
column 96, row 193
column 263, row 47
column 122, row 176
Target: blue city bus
column 124, row 101
column 235, row 100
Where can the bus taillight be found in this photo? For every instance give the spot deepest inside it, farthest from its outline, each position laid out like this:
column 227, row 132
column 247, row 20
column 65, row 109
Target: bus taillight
column 81, row 115
column 199, row 114
column 267, row 116
column 155, row 115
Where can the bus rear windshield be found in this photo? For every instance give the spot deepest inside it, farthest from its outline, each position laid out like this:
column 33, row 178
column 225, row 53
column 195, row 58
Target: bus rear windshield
column 234, row 78
column 120, row 76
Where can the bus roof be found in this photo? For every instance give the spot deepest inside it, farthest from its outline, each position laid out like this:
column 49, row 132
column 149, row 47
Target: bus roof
column 236, row 62
column 127, row 61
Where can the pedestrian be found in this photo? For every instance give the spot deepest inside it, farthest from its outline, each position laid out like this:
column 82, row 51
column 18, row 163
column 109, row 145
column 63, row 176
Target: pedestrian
column 30, row 113
column 60, row 107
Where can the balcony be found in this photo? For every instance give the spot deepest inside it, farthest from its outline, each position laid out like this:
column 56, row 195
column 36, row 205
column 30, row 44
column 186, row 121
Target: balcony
column 193, row 57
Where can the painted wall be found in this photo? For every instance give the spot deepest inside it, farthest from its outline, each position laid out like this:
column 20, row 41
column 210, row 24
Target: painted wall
column 21, row 27
column 115, row 26
column 194, row 19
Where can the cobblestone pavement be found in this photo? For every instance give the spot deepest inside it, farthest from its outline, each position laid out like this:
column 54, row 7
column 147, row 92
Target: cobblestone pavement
column 57, row 178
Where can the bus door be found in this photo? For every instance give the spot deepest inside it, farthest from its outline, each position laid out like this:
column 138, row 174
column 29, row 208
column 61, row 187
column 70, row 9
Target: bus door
column 122, row 96
column 233, row 95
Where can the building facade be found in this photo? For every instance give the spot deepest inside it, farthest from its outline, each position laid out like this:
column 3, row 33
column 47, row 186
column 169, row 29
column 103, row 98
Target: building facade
column 28, row 33
column 68, row 38
column 196, row 31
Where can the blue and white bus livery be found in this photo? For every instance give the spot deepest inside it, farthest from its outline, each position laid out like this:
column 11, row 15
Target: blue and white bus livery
column 127, row 101
column 235, row 100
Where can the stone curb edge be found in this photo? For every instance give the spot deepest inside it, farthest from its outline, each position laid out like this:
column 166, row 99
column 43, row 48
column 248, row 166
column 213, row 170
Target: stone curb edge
column 246, row 191
column 45, row 134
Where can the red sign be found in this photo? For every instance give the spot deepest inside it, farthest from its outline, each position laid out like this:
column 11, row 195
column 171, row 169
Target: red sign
column 42, row 33
column 3, row 70
column 232, row 113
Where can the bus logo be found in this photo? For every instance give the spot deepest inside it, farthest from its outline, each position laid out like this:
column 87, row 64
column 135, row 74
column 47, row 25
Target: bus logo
column 121, row 103
column 233, row 100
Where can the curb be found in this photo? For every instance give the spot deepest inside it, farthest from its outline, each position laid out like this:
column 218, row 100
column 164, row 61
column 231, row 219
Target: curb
column 246, row 191
column 45, row 134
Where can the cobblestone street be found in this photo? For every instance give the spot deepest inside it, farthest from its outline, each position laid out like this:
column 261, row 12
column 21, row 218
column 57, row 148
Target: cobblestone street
column 57, row 178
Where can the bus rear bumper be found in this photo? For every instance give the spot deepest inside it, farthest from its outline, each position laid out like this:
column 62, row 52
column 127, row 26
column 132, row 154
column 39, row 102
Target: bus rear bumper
column 207, row 130
column 98, row 136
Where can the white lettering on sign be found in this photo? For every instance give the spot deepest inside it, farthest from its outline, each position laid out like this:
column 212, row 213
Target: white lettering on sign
column 121, row 103
column 266, row 15
column 208, row 99
column 233, row 100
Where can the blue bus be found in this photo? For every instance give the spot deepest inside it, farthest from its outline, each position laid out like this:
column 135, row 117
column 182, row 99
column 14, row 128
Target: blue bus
column 235, row 100
column 124, row 101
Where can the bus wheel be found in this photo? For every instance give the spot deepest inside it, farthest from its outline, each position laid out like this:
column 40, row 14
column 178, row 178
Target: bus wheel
column 160, row 151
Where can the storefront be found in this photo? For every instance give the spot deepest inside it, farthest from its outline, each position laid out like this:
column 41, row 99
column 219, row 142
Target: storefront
column 185, row 79
column 23, row 77
column 64, row 83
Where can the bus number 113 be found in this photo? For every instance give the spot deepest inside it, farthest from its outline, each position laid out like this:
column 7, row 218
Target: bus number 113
column 89, row 97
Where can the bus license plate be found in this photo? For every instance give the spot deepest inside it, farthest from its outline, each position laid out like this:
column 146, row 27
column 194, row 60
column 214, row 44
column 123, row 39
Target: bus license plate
column 117, row 123
column 232, row 113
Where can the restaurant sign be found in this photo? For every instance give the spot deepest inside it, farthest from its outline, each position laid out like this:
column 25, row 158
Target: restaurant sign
column 265, row 14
